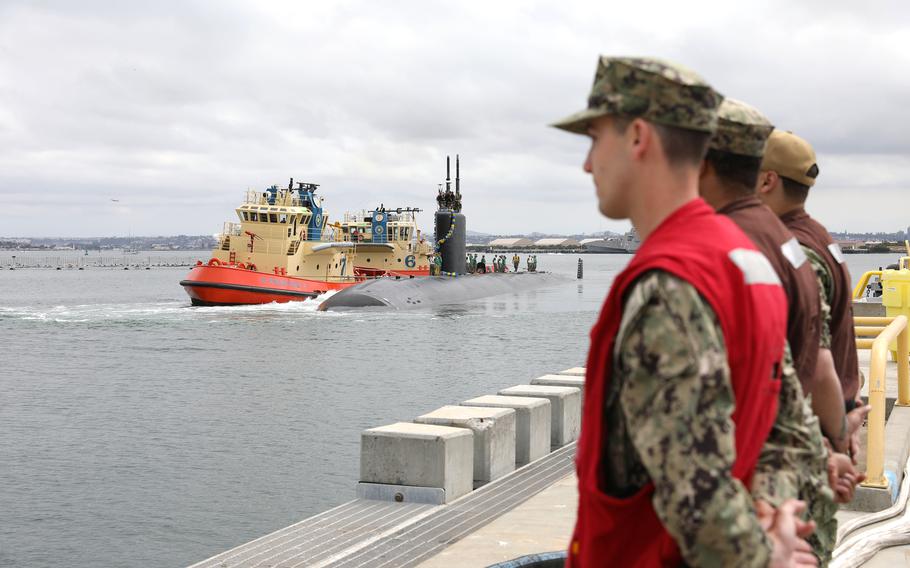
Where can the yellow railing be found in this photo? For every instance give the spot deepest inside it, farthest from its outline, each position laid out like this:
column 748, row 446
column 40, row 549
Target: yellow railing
column 877, row 334
column 864, row 281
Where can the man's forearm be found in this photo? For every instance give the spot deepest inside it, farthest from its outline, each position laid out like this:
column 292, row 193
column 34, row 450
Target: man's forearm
column 828, row 401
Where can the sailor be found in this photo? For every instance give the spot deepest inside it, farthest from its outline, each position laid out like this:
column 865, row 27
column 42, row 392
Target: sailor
column 437, row 264
column 483, row 264
column 516, row 260
column 727, row 182
column 788, row 170
column 661, row 460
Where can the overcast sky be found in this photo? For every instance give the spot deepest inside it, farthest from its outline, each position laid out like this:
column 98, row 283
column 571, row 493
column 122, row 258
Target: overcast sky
column 176, row 108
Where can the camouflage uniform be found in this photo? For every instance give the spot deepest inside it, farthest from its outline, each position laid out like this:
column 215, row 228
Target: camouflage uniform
column 669, row 409
column 826, row 287
column 658, row 91
column 793, row 463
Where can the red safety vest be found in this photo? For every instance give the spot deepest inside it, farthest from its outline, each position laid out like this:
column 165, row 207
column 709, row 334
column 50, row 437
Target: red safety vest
column 714, row 256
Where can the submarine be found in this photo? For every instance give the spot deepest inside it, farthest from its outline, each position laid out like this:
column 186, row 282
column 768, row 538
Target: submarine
column 453, row 284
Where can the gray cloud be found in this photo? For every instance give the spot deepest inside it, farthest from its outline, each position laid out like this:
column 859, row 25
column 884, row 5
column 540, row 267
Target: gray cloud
column 177, row 107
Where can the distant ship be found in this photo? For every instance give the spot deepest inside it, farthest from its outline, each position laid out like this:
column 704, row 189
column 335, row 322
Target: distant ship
column 627, row 243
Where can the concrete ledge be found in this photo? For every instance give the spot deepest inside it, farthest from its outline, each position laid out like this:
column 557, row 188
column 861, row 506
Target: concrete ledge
column 532, row 423
column 565, row 409
column 401, row 493
column 870, row 499
column 494, row 436
column 868, row 309
column 574, row 371
column 418, row 455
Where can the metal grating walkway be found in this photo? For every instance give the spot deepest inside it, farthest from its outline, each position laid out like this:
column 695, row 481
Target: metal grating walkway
column 377, row 534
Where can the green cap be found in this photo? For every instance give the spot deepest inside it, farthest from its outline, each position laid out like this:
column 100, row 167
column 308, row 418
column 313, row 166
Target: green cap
column 658, row 91
column 741, row 129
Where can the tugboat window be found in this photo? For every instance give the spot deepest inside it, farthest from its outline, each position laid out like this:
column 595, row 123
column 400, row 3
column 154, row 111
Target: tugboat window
column 283, row 218
column 253, row 216
column 368, row 260
column 246, row 216
column 273, row 217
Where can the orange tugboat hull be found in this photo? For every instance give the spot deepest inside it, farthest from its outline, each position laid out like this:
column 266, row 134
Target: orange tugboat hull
column 228, row 285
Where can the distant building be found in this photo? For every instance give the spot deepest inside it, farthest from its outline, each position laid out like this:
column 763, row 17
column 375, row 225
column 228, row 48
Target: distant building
column 557, row 242
column 516, row 242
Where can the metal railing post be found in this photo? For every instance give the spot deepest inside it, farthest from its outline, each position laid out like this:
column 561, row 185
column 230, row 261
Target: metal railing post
column 903, row 367
column 875, row 446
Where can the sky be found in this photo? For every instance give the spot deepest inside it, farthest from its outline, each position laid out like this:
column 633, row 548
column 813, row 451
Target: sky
column 175, row 108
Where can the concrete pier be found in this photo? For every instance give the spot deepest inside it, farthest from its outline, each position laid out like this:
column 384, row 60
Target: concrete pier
column 420, row 456
column 494, row 436
column 532, row 423
column 565, row 409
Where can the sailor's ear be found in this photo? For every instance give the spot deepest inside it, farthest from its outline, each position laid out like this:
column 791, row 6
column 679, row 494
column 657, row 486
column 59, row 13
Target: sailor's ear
column 767, row 181
column 641, row 136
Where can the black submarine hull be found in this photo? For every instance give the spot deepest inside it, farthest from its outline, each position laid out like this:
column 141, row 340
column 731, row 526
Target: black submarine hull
column 430, row 291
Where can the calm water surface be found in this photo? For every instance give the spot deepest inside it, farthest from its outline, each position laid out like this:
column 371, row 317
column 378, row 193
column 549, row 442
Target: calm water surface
column 136, row 430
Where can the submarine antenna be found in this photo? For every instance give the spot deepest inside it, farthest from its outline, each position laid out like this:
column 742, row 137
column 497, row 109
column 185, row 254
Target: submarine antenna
column 457, row 177
column 448, row 176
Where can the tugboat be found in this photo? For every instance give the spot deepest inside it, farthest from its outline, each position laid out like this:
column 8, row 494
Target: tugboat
column 284, row 249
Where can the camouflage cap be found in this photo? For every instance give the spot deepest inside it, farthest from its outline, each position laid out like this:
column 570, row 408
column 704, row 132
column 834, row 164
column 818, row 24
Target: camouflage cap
column 658, row 91
column 791, row 157
column 741, row 129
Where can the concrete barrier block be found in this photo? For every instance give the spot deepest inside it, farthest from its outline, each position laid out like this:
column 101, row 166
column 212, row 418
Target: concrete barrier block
column 574, row 371
column 532, row 423
column 420, row 455
column 561, row 381
column 565, row 409
column 494, row 436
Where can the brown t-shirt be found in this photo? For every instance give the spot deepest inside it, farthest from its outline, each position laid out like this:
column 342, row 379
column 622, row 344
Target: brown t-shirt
column 813, row 235
column 777, row 243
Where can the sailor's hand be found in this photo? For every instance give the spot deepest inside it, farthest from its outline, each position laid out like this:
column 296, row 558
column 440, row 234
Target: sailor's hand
column 843, row 477
column 787, row 533
column 855, row 419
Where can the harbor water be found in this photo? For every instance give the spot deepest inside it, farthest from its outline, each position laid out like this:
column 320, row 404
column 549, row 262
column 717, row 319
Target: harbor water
column 136, row 430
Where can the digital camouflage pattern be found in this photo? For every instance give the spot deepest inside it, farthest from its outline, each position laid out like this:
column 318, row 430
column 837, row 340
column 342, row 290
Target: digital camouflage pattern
column 741, row 129
column 826, row 291
column 793, row 463
column 668, row 411
column 656, row 90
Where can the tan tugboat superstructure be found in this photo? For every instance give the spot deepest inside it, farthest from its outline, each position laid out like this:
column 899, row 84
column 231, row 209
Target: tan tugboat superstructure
column 284, row 248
